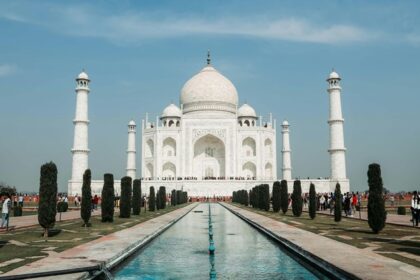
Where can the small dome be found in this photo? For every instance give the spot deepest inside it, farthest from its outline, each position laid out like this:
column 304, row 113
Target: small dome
column 334, row 75
column 171, row 111
column 246, row 111
column 132, row 123
column 285, row 122
column 83, row 76
column 209, row 90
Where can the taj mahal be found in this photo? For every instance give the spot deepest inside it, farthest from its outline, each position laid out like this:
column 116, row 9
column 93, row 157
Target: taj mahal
column 209, row 145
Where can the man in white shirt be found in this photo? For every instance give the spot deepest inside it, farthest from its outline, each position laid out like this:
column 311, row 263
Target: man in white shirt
column 5, row 211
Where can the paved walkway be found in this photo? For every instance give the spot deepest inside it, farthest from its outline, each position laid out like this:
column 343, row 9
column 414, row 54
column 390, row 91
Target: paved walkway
column 401, row 220
column 365, row 265
column 106, row 249
column 32, row 220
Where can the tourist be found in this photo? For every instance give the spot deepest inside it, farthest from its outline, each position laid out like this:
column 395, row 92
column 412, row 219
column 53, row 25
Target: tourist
column 5, row 212
column 20, row 200
column 322, row 202
column 353, row 202
column 414, row 202
column 417, row 210
column 95, row 202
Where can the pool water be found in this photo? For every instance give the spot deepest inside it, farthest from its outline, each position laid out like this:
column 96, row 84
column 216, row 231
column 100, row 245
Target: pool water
column 242, row 252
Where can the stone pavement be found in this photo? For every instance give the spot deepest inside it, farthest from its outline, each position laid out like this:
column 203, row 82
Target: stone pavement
column 32, row 220
column 394, row 219
column 362, row 264
column 106, row 249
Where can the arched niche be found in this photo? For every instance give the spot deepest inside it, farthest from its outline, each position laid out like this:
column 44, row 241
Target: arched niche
column 209, row 157
column 249, row 147
column 169, row 147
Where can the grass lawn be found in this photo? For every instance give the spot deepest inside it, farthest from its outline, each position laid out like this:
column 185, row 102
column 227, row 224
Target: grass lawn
column 19, row 247
column 397, row 242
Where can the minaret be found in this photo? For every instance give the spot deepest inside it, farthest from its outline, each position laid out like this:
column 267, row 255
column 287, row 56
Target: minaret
column 337, row 150
column 80, row 145
column 131, row 150
column 285, row 151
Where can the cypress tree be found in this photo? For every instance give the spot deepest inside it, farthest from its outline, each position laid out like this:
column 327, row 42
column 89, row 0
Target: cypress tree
column 173, row 198
column 312, row 201
column 158, row 198
column 86, row 206
column 125, row 203
column 162, row 191
column 152, row 199
column 297, row 201
column 284, row 196
column 136, row 197
column 276, row 196
column 47, row 207
column 376, row 203
column 265, row 191
column 338, row 205
column 108, row 198
column 179, row 197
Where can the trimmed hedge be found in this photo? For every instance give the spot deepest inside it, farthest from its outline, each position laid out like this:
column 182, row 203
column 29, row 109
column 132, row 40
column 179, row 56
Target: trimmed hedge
column 338, row 205
column 86, row 206
column 152, row 199
column 125, row 202
column 136, row 197
column 401, row 210
column 376, row 202
column 108, row 198
column 47, row 206
column 297, row 201
column 312, row 201
column 284, row 196
column 276, row 196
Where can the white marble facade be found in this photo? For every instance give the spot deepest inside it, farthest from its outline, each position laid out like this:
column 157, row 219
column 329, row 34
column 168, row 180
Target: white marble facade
column 208, row 137
column 209, row 145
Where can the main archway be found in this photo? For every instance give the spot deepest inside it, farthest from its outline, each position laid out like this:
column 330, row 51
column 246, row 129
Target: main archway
column 209, row 157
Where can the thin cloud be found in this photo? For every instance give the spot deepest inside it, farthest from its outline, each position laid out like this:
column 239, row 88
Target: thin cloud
column 7, row 69
column 135, row 27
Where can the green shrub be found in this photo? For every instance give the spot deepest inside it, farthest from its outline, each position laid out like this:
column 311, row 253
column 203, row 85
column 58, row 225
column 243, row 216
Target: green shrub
column 312, row 201
column 276, row 196
column 376, row 202
column 284, row 196
column 86, row 206
column 47, row 206
column 162, row 197
column 108, row 198
column 125, row 202
column 297, row 201
column 173, row 197
column 401, row 210
column 17, row 211
column 136, row 197
column 62, row 207
column 338, row 205
column 152, row 199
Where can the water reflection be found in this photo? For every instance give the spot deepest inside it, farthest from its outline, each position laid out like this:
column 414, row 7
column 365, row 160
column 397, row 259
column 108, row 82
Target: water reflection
column 242, row 252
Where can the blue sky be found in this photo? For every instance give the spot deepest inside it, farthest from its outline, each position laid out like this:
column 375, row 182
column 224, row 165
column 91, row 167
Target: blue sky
column 277, row 53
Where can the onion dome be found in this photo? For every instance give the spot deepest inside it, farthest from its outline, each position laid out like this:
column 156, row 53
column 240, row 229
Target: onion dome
column 334, row 75
column 171, row 111
column 285, row 123
column 83, row 76
column 209, row 90
column 246, row 111
column 132, row 123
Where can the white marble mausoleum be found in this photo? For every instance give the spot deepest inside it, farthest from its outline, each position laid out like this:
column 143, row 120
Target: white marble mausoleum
column 209, row 144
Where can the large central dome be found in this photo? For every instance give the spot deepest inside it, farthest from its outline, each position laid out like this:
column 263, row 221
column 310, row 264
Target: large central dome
column 209, row 90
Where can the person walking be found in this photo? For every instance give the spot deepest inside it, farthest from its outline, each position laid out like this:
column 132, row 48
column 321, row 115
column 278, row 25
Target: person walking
column 414, row 204
column 5, row 212
column 417, row 211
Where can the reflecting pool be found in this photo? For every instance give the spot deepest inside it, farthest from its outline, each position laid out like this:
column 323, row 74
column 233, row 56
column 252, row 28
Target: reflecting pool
column 242, row 252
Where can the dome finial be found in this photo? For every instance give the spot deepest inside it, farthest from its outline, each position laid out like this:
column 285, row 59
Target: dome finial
column 208, row 57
